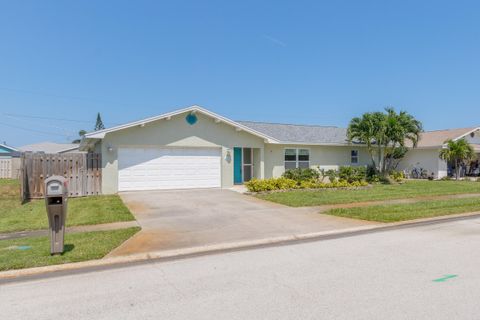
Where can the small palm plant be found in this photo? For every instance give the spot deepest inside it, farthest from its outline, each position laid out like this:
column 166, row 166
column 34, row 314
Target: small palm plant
column 457, row 152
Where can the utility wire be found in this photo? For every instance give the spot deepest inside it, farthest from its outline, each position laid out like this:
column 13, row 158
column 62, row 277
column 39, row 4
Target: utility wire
column 44, row 118
column 33, row 130
column 45, row 124
column 51, row 118
column 62, row 96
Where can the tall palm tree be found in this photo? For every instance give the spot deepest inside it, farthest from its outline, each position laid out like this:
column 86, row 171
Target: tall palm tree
column 383, row 133
column 457, row 152
column 401, row 128
column 367, row 129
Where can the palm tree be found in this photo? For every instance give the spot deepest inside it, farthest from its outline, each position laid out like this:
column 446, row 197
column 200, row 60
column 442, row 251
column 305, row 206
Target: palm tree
column 457, row 152
column 368, row 129
column 401, row 128
column 384, row 133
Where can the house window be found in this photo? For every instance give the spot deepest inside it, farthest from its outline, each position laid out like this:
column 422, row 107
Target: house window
column 290, row 159
column 303, row 158
column 297, row 158
column 354, row 156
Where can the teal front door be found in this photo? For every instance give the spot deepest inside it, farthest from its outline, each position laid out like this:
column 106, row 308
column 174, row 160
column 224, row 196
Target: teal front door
column 237, row 166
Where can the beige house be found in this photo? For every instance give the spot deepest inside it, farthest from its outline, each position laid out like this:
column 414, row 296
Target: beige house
column 196, row 148
column 427, row 154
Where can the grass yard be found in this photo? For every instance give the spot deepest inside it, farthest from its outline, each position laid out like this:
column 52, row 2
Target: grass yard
column 81, row 211
column 410, row 189
column 402, row 212
column 35, row 252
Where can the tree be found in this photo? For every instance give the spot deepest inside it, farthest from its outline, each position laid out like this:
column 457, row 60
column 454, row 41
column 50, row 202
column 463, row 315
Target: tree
column 457, row 152
column 99, row 124
column 385, row 134
column 81, row 133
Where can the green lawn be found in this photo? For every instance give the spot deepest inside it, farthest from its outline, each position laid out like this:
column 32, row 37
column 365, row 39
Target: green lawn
column 402, row 212
column 410, row 189
column 81, row 211
column 35, row 252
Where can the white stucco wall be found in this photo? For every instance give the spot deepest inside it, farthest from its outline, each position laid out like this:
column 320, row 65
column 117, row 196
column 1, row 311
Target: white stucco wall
column 176, row 132
column 325, row 157
column 427, row 159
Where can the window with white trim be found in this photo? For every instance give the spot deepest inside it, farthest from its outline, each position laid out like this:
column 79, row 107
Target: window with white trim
column 297, row 158
column 354, row 156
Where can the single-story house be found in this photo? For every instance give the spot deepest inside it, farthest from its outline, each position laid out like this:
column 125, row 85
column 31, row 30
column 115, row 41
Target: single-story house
column 7, row 151
column 427, row 154
column 51, row 147
column 196, row 148
column 9, row 161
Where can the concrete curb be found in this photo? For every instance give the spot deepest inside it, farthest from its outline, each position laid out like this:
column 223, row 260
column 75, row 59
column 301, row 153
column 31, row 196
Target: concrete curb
column 166, row 255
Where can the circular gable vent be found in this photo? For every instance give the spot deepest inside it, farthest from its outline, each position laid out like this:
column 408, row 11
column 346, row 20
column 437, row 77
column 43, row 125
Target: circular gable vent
column 191, row 119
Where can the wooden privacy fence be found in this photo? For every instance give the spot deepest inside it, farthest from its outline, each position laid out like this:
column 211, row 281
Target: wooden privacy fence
column 82, row 171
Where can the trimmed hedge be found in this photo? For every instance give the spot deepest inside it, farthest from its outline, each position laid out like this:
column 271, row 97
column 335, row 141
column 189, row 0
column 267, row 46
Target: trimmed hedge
column 274, row 184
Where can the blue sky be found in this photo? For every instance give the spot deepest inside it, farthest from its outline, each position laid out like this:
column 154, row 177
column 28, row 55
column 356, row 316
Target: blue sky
column 312, row 62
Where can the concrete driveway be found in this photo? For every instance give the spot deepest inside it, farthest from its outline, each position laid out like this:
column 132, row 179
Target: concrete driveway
column 191, row 218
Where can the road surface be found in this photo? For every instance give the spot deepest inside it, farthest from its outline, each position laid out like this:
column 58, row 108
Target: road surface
column 428, row 272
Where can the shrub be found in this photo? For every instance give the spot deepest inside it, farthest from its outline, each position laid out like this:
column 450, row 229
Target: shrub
column 332, row 175
column 258, row 185
column 352, row 174
column 301, row 174
column 446, row 178
column 398, row 176
column 273, row 184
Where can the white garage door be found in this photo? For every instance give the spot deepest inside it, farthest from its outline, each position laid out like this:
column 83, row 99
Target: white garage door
column 168, row 168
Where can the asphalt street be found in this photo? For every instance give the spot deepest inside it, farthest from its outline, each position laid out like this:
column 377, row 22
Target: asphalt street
column 429, row 272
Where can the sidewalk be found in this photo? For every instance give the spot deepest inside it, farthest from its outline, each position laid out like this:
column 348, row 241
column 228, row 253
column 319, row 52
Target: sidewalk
column 75, row 229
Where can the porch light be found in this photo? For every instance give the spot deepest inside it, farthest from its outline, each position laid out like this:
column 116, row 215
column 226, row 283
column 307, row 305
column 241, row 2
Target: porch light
column 228, row 155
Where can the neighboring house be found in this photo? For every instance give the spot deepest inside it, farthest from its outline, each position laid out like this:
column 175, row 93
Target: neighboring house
column 51, row 147
column 196, row 148
column 426, row 155
column 7, row 151
column 9, row 162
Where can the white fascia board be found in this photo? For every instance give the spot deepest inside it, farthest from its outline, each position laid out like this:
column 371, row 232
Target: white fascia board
column 8, row 147
column 466, row 134
column 101, row 133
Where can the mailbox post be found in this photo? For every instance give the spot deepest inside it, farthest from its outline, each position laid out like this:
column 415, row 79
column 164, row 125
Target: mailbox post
column 56, row 196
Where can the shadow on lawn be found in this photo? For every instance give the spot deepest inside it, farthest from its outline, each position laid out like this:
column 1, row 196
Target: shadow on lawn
column 67, row 248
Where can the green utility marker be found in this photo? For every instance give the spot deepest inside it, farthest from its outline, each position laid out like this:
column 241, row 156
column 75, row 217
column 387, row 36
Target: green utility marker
column 445, row 278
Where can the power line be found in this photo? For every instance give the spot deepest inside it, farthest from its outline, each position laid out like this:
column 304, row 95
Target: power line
column 33, row 130
column 39, row 124
column 62, row 96
column 18, row 116
column 44, row 118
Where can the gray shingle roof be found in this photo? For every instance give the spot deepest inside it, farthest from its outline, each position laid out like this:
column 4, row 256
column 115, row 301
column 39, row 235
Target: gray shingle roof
column 300, row 133
column 50, row 147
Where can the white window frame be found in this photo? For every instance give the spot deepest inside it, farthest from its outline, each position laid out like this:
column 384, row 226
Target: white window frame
column 354, row 157
column 297, row 154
